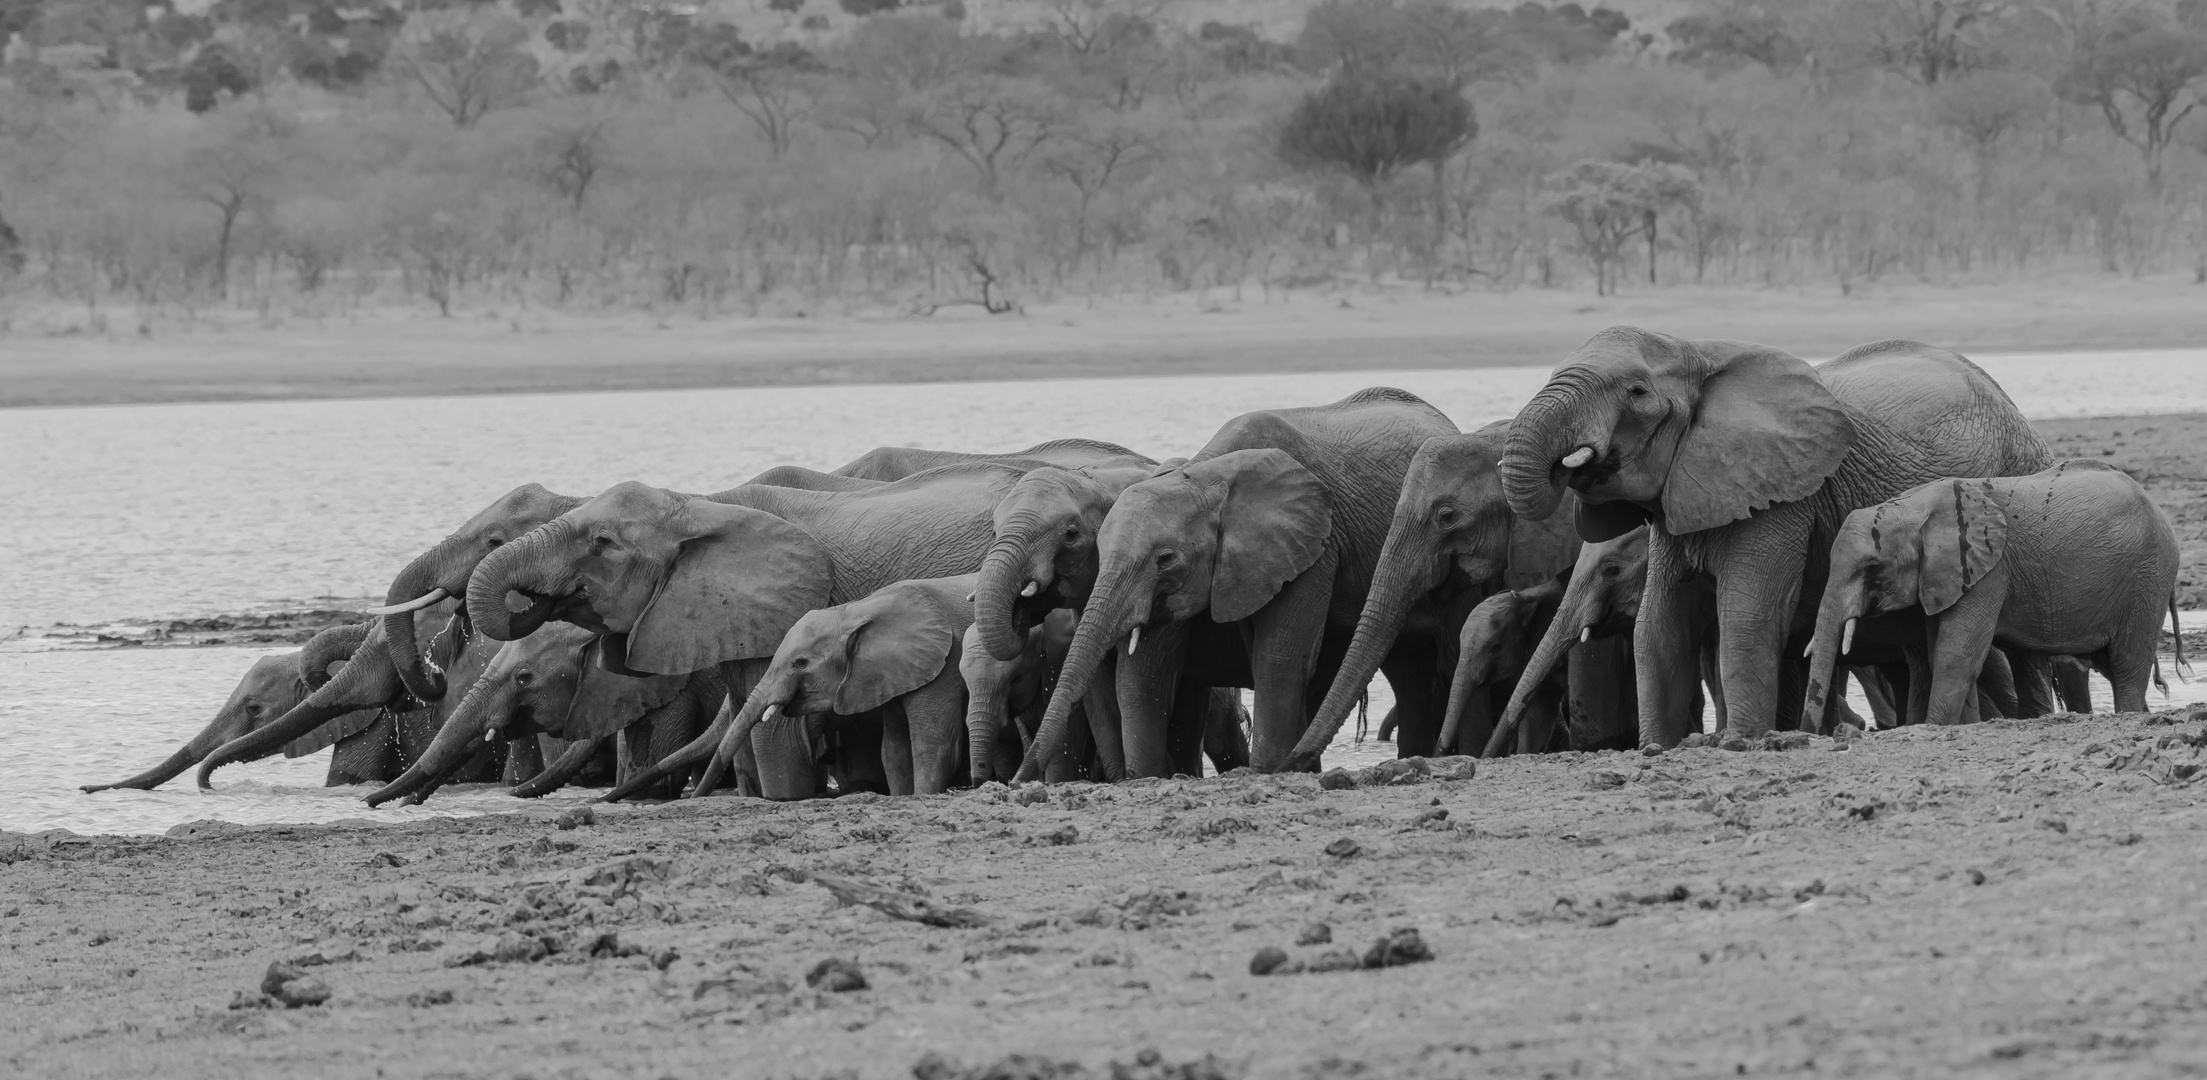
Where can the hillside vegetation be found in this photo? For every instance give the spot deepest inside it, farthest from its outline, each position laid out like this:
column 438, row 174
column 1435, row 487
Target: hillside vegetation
column 786, row 156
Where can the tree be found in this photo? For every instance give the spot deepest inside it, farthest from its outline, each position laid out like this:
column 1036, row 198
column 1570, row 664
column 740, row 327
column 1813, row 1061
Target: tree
column 1372, row 126
column 469, row 62
column 236, row 172
column 771, row 86
column 1609, row 202
column 1983, row 108
column 1093, row 153
column 2146, row 71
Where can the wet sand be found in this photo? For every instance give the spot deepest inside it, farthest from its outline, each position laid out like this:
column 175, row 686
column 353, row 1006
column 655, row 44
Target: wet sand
column 2013, row 898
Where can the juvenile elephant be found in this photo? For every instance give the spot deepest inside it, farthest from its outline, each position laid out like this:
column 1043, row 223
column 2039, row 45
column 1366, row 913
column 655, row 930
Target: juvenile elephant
column 271, row 687
column 547, row 687
column 683, row 583
column 1746, row 459
column 1451, row 534
column 2074, row 560
column 1270, row 534
column 895, row 652
column 1493, row 647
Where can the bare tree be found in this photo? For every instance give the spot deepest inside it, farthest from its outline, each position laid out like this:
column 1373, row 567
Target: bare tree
column 772, row 87
column 469, row 62
column 1609, row 202
column 2146, row 71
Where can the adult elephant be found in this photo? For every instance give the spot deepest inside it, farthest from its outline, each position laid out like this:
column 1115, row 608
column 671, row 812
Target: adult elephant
column 1451, row 535
column 549, row 685
column 271, row 687
column 1270, row 533
column 898, row 462
column 1745, row 460
column 683, row 583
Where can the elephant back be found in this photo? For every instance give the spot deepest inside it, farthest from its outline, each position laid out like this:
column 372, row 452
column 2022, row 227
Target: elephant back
column 1948, row 408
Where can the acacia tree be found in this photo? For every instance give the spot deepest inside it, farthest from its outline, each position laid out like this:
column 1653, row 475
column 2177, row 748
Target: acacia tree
column 2146, row 71
column 468, row 62
column 1983, row 108
column 1610, row 202
column 1373, row 125
column 771, row 87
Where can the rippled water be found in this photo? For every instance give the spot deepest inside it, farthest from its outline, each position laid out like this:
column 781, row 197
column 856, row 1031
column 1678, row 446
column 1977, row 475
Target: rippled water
column 187, row 510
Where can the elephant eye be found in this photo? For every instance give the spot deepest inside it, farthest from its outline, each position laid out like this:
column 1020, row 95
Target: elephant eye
column 1638, row 391
column 799, row 662
column 1445, row 515
column 1167, row 558
column 1072, row 532
column 523, row 678
column 492, row 541
column 602, row 542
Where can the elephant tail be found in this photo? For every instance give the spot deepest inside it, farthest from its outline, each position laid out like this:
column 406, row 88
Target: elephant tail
column 2176, row 630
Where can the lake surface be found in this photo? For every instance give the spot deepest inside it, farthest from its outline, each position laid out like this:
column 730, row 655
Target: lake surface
column 136, row 513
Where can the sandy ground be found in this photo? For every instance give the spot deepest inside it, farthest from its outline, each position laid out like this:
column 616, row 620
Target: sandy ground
column 2015, row 898
column 401, row 352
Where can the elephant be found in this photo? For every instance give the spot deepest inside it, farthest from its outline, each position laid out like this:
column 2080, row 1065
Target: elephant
column 1273, row 531
column 2074, row 560
column 547, row 687
column 898, row 462
column 683, row 583
column 1451, row 532
column 1493, row 646
column 1745, row 459
column 271, row 687
column 364, row 707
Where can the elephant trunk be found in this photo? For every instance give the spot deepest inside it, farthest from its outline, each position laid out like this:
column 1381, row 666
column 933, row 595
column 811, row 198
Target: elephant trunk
column 1575, row 615
column 1005, row 571
column 1835, row 623
column 1542, row 437
column 518, row 566
column 765, row 701
column 556, row 775
column 367, row 681
column 692, row 754
column 184, row 758
column 988, row 697
column 1404, row 571
column 462, row 734
column 1116, row 605
column 1473, row 664
column 330, row 646
column 417, row 581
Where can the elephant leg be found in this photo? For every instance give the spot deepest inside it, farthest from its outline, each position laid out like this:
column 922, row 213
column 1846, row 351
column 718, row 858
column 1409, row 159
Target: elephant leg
column 1191, row 711
column 2034, row 683
column 1101, row 703
column 1878, row 691
column 1224, row 741
column 1073, row 759
column 1285, row 636
column 2072, row 683
column 1663, row 648
column 1605, row 708
column 1919, row 684
column 1409, row 673
column 1792, row 695
column 896, row 748
column 1147, row 681
column 856, row 762
column 1758, row 587
column 1959, row 638
column 787, row 759
column 935, row 722
column 1998, row 686
column 1537, row 728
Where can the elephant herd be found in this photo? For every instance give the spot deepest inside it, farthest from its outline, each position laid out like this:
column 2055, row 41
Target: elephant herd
column 1667, row 526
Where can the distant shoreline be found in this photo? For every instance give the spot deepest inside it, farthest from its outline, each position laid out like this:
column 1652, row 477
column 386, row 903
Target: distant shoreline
column 388, row 354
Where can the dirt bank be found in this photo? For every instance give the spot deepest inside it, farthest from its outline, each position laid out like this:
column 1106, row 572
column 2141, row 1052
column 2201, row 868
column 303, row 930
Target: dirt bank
column 396, row 353
column 2013, row 898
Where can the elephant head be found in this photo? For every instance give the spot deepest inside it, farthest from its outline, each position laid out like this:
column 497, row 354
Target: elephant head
column 272, row 687
column 1923, row 549
column 1450, row 519
column 1495, row 644
column 1044, row 556
column 683, row 582
column 1692, row 434
column 1221, row 535
column 443, row 571
column 1602, row 599
column 846, row 660
column 995, row 692
column 346, row 703
column 544, row 684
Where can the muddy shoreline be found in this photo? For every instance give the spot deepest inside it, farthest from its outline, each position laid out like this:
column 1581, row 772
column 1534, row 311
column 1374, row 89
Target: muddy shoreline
column 2010, row 898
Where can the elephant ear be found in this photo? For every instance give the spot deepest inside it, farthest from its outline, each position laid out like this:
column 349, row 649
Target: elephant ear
column 1963, row 537
column 741, row 578
column 1766, row 430
column 605, row 702
column 891, row 649
column 1272, row 526
column 344, row 727
column 1607, row 521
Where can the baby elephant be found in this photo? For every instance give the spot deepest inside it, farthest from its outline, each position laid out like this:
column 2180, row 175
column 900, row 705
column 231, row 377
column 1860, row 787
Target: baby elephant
column 2074, row 560
column 1494, row 645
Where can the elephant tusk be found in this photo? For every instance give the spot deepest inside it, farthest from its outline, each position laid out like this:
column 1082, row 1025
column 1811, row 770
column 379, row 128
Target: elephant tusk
column 1578, row 457
column 1032, row 588
column 772, row 713
column 971, row 595
column 1846, row 639
column 1586, row 634
column 1809, row 650
column 1133, row 640
column 416, row 604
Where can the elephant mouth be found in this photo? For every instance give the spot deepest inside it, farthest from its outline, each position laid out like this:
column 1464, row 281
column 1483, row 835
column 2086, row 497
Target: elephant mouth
column 1594, row 472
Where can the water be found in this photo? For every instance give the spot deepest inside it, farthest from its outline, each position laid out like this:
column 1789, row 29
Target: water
column 156, row 512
